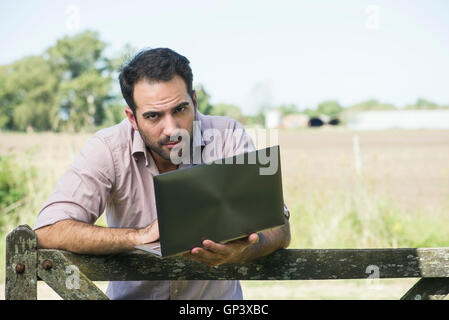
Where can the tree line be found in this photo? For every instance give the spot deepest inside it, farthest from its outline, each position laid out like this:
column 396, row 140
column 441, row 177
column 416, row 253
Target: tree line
column 67, row 88
column 333, row 108
column 72, row 86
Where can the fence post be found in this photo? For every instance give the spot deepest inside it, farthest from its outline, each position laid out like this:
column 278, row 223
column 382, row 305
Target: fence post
column 21, row 264
column 428, row 289
column 65, row 278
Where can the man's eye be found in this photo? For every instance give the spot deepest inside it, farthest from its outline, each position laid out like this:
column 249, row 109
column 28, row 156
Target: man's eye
column 151, row 116
column 181, row 109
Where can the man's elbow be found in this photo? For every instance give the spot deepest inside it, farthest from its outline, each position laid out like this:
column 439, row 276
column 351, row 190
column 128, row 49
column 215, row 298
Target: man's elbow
column 48, row 236
column 42, row 238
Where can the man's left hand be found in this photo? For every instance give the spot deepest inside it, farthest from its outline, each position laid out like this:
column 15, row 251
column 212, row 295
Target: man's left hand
column 215, row 254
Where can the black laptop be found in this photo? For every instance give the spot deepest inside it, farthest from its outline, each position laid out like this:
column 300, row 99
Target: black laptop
column 218, row 201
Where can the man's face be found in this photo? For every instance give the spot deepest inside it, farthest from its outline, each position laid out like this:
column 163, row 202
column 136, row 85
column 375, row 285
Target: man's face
column 163, row 109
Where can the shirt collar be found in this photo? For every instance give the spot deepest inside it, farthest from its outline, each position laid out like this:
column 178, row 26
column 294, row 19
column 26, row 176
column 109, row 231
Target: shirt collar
column 138, row 146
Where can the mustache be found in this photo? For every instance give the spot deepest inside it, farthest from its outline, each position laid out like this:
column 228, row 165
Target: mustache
column 167, row 139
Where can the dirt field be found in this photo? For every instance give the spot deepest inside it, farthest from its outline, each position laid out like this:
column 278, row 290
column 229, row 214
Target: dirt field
column 411, row 167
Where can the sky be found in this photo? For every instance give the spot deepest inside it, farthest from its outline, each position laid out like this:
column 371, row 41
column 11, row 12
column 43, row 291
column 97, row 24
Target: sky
column 254, row 53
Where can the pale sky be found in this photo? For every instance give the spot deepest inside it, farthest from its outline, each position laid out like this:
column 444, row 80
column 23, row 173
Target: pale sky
column 252, row 52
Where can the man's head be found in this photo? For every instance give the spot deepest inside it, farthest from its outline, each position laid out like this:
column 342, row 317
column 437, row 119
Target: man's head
column 157, row 86
column 154, row 65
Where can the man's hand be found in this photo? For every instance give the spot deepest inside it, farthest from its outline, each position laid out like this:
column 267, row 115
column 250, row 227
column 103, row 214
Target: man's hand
column 215, row 254
column 252, row 247
column 148, row 234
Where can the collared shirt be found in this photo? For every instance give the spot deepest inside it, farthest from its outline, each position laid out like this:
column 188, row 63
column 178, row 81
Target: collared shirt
column 114, row 173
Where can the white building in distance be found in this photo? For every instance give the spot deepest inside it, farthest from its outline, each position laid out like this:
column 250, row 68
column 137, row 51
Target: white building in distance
column 273, row 119
column 398, row 119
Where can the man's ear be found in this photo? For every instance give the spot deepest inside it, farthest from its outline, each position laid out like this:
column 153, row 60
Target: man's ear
column 131, row 118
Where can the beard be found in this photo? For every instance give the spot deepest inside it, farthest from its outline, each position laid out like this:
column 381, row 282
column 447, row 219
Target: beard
column 159, row 145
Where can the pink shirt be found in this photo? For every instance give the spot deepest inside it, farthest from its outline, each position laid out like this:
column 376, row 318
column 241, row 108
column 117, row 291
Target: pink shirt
column 114, row 173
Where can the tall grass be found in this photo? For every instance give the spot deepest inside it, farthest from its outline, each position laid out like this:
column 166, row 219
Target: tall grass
column 15, row 186
column 34, row 166
column 361, row 218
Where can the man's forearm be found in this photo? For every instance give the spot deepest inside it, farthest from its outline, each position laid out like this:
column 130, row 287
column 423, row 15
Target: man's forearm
column 269, row 241
column 80, row 237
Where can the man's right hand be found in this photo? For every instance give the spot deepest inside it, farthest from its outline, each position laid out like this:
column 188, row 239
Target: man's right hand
column 149, row 233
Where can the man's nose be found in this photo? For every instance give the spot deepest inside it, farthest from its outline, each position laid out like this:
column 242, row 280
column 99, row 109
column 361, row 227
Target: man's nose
column 170, row 126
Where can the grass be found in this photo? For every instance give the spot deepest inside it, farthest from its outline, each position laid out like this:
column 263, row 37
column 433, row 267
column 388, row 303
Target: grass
column 362, row 219
column 401, row 199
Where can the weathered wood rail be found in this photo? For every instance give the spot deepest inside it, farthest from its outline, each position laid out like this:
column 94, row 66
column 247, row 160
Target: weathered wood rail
column 25, row 265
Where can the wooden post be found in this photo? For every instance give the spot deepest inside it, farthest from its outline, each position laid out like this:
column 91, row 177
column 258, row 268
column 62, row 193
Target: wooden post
column 428, row 289
column 21, row 263
column 65, row 278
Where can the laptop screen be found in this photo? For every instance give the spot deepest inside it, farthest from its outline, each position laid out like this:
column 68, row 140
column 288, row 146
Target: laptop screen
column 219, row 201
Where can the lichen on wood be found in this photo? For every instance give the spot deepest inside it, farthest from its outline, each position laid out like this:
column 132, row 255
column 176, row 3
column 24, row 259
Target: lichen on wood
column 21, row 260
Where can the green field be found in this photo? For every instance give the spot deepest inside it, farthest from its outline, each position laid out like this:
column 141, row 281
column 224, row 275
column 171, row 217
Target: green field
column 399, row 198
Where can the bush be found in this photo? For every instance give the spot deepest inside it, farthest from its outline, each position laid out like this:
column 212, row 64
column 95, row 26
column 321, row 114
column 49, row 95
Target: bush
column 13, row 190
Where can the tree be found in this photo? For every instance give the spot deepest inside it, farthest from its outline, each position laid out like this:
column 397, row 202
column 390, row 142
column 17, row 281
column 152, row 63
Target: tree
column 258, row 119
column 330, row 108
column 6, row 97
column 424, row 104
column 123, row 55
column 72, row 56
column 85, row 80
column 27, row 95
column 311, row 112
column 82, row 101
column 228, row 110
column 114, row 113
column 203, row 97
column 114, row 106
column 371, row 104
column 67, row 87
column 286, row 109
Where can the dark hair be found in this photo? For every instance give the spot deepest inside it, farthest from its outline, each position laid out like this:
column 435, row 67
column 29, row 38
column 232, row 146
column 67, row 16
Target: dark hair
column 160, row 64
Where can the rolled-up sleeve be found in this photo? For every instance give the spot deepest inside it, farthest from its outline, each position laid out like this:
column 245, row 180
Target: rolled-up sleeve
column 83, row 191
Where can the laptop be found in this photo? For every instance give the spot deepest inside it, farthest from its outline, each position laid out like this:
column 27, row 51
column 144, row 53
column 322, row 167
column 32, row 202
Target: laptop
column 222, row 201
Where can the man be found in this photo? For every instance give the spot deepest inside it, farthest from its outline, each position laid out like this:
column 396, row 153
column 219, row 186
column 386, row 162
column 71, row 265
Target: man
column 114, row 171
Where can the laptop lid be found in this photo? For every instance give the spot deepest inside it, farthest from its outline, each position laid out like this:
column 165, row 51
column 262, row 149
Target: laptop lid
column 218, row 201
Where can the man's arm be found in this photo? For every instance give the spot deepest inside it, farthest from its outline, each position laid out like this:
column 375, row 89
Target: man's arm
column 84, row 238
column 66, row 219
column 254, row 246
